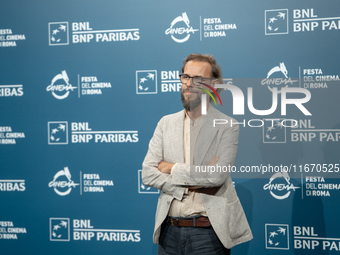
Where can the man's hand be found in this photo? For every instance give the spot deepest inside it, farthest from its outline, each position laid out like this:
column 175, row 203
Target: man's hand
column 165, row 167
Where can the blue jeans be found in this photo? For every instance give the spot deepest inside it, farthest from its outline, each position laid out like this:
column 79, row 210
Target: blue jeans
column 189, row 241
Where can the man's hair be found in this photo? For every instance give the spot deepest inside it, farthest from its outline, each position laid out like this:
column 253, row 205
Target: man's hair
column 208, row 58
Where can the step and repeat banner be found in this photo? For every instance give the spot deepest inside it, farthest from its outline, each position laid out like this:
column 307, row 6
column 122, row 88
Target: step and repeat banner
column 84, row 83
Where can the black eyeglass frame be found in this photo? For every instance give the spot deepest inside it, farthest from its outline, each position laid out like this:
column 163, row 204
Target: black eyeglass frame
column 197, row 83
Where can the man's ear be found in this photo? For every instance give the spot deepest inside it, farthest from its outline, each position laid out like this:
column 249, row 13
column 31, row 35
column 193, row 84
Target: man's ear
column 214, row 82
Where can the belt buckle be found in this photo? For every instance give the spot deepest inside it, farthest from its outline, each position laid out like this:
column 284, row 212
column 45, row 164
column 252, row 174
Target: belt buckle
column 172, row 221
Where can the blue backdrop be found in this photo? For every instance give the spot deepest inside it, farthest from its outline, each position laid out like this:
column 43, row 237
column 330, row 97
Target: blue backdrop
column 84, row 83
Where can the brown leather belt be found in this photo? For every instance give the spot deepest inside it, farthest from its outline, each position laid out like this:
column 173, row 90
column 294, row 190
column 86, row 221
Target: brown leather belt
column 190, row 222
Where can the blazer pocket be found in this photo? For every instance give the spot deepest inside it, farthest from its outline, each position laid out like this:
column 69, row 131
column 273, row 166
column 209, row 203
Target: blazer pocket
column 237, row 223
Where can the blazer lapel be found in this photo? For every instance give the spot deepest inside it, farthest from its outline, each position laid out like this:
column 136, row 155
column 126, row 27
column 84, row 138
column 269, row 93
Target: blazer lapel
column 206, row 136
column 176, row 135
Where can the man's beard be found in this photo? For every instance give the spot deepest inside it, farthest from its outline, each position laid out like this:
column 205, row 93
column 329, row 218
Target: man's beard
column 187, row 104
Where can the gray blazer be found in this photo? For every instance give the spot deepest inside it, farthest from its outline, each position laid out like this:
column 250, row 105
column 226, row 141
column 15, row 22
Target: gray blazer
column 222, row 205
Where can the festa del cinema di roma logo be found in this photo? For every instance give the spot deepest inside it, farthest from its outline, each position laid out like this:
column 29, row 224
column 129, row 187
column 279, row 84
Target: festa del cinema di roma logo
column 62, row 187
column 177, row 33
column 60, row 86
column 279, row 186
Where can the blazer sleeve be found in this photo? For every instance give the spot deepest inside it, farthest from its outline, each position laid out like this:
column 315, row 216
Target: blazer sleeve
column 151, row 176
column 224, row 145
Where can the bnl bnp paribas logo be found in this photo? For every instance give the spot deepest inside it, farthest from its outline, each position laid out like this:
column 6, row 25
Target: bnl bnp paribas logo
column 277, row 236
column 57, row 132
column 60, row 229
column 180, row 29
column 276, row 22
column 82, row 32
column 58, row 33
column 303, row 20
column 146, row 82
column 83, row 230
column 304, row 239
column 81, row 132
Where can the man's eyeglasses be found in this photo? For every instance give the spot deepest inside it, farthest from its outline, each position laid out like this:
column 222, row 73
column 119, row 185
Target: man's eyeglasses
column 196, row 80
